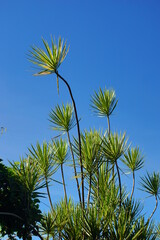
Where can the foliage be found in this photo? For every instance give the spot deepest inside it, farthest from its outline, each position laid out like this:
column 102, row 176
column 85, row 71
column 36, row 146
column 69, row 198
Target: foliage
column 106, row 209
column 19, row 202
column 104, row 102
column 62, row 118
column 49, row 61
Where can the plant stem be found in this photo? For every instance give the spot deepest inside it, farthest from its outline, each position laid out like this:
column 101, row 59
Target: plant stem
column 11, row 214
column 132, row 186
column 64, row 186
column 119, row 179
column 109, row 137
column 49, row 196
column 108, row 125
column 153, row 210
column 74, row 165
column 79, row 136
column 98, row 187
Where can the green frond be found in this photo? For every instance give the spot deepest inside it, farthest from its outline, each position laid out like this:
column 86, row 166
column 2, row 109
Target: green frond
column 91, row 224
column 124, row 224
column 72, row 228
column 104, row 102
column 29, row 174
column 133, row 209
column 144, row 231
column 151, row 184
column 104, row 189
column 133, row 159
column 43, row 155
column 49, row 59
column 158, row 230
column 60, row 151
column 90, row 145
column 114, row 146
column 60, row 214
column 47, row 225
column 62, row 118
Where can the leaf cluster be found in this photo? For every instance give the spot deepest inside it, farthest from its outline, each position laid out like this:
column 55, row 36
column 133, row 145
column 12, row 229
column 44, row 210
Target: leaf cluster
column 19, row 206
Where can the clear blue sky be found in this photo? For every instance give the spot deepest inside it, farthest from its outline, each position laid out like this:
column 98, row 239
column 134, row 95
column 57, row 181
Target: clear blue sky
column 112, row 43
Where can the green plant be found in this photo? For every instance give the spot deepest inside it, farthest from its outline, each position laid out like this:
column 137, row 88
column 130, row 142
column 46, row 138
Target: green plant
column 49, row 61
column 19, row 199
column 106, row 209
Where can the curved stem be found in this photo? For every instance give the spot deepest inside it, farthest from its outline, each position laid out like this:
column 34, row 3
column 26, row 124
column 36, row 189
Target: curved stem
column 132, row 186
column 11, row 214
column 64, row 185
column 79, row 136
column 153, row 210
column 74, row 165
column 120, row 187
column 49, row 196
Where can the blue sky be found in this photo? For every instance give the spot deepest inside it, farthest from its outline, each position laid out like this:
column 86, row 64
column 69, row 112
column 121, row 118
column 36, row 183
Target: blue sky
column 112, row 43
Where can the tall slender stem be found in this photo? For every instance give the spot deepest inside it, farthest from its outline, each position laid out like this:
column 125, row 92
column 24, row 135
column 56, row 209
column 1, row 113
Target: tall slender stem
column 98, row 187
column 120, row 187
column 74, row 165
column 109, row 127
column 64, row 186
column 153, row 210
column 49, row 196
column 109, row 130
column 133, row 186
column 79, row 136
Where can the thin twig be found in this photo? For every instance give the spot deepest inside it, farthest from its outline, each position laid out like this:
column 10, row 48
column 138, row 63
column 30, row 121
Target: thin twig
column 120, row 187
column 74, row 165
column 79, row 136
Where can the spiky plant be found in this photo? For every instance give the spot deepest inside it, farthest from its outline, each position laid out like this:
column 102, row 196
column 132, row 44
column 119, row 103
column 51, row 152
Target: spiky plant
column 73, row 228
column 60, row 214
column 134, row 160
column 104, row 103
column 63, row 119
column 29, row 174
column 145, row 230
column 91, row 143
column 60, row 156
column 158, row 230
column 47, row 225
column 122, row 226
column 42, row 155
column 48, row 61
column 91, row 224
column 113, row 148
column 150, row 184
column 103, row 189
